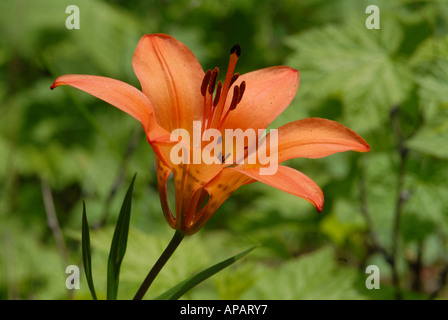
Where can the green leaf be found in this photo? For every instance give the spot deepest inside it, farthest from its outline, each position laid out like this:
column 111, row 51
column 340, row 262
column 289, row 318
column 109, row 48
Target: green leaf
column 381, row 194
column 431, row 138
column 178, row 290
column 119, row 243
column 426, row 207
column 86, row 253
column 356, row 65
column 429, row 50
column 432, row 135
column 317, row 275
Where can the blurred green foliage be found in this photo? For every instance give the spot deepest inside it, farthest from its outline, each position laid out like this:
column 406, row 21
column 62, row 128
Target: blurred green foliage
column 388, row 207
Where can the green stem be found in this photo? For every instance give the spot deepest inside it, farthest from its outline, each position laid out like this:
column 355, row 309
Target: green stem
column 166, row 255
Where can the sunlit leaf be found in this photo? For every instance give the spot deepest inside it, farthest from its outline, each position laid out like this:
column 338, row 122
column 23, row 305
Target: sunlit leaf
column 430, row 50
column 180, row 289
column 431, row 138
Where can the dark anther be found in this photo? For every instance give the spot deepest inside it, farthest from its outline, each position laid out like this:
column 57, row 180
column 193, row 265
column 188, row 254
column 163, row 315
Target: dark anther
column 213, row 78
column 218, row 94
column 235, row 98
column 242, row 88
column 205, row 82
column 233, row 79
column 236, row 49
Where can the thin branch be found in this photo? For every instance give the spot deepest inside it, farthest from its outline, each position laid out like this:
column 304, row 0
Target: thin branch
column 53, row 224
column 52, row 220
column 417, row 267
column 392, row 256
column 442, row 282
column 402, row 195
column 366, row 214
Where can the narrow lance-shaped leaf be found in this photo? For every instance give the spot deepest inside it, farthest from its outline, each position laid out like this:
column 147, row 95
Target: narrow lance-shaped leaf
column 181, row 288
column 118, row 246
column 86, row 253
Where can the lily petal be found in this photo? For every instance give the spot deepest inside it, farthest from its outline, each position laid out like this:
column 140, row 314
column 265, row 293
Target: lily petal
column 314, row 138
column 268, row 93
column 119, row 94
column 163, row 173
column 291, row 181
column 171, row 78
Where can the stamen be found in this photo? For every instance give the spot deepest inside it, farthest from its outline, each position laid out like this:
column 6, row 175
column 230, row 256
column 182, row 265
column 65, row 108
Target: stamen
column 234, row 78
column 236, row 49
column 242, row 89
column 205, row 82
column 213, row 78
column 235, row 98
column 238, row 92
column 204, row 86
column 218, row 94
column 211, row 89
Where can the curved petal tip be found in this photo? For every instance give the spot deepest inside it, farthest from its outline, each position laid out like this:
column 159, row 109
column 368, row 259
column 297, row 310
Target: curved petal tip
column 54, row 85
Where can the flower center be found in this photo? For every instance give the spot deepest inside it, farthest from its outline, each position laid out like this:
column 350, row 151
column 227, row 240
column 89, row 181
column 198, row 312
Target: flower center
column 215, row 95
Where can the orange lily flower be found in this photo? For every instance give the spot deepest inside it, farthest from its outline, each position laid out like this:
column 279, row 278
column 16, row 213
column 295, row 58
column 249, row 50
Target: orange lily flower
column 176, row 92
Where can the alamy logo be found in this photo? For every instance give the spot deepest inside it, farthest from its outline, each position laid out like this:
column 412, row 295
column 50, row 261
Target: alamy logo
column 373, row 20
column 72, row 21
column 373, row 280
column 72, row 281
column 236, row 147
